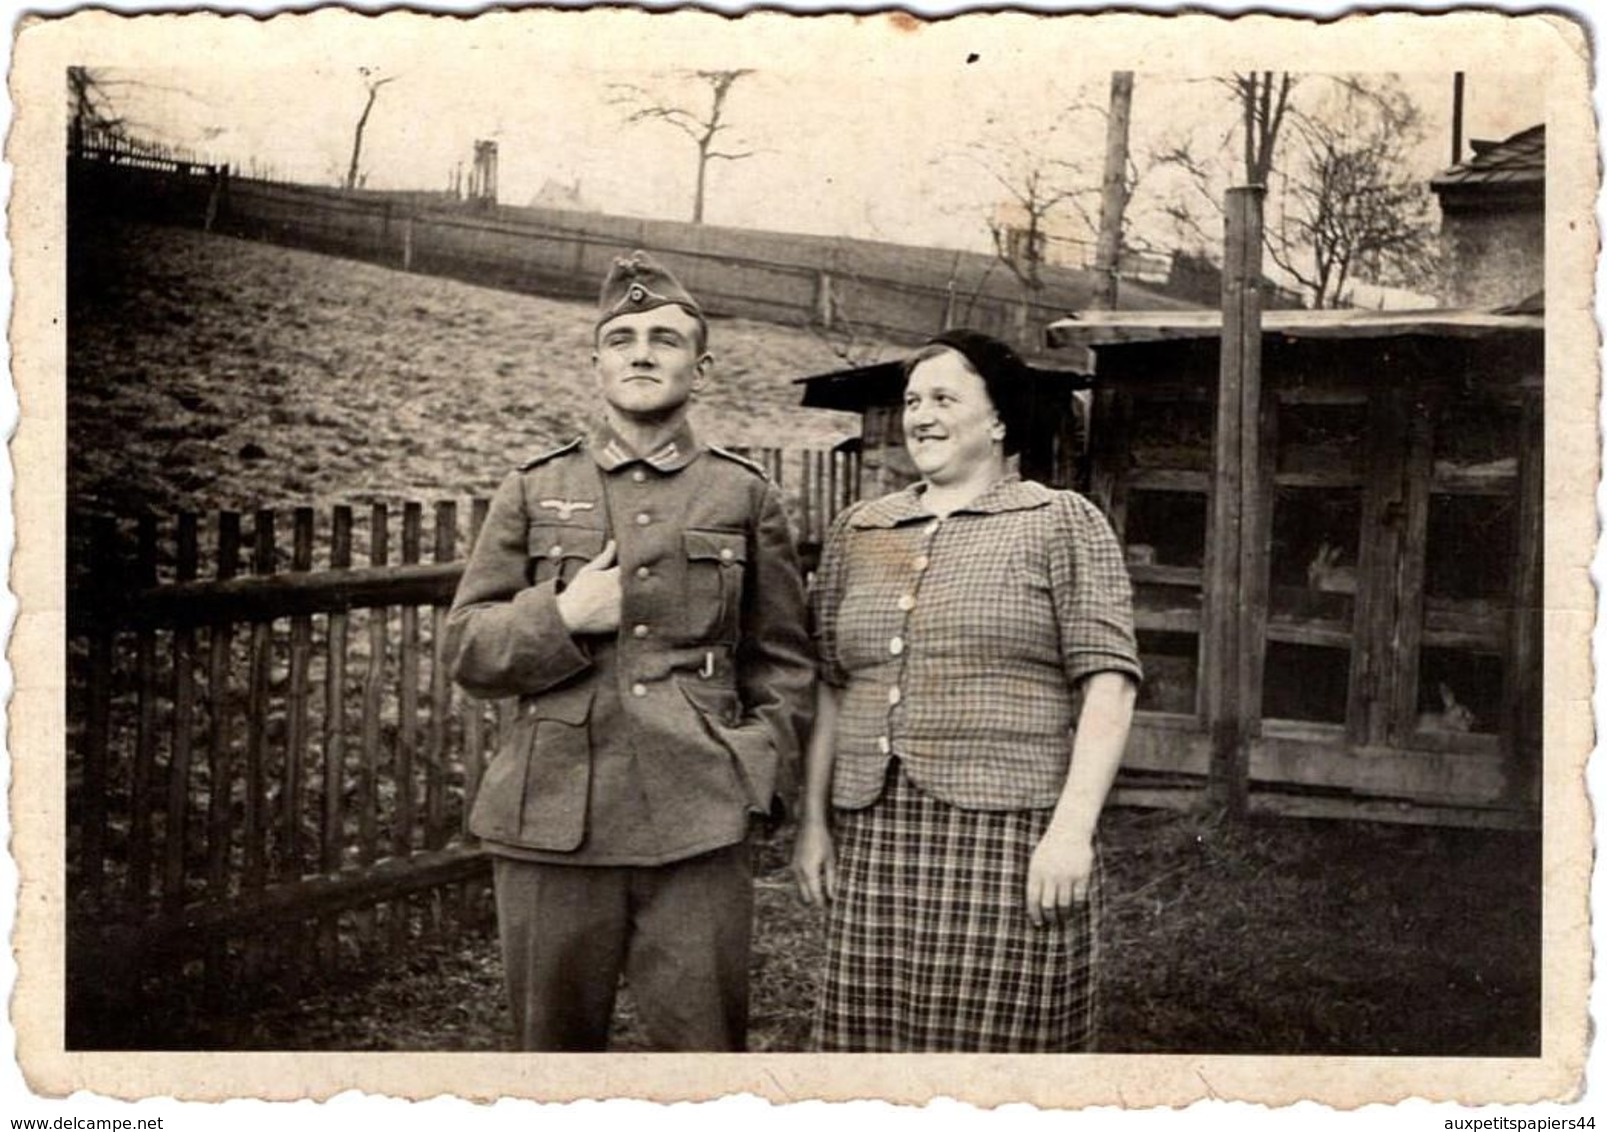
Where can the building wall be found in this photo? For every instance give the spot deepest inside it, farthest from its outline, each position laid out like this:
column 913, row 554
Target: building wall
column 1492, row 258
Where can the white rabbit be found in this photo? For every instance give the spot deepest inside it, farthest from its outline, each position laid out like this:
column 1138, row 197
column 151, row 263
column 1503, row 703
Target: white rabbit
column 1454, row 715
column 1324, row 572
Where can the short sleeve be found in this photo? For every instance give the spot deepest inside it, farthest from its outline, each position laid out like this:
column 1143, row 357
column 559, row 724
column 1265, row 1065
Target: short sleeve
column 1093, row 595
column 825, row 599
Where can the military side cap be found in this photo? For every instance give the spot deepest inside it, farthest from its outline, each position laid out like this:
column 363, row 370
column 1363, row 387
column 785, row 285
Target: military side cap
column 638, row 282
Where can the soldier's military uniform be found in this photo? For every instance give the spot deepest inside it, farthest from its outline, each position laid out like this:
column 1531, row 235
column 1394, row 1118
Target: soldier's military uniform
column 619, row 803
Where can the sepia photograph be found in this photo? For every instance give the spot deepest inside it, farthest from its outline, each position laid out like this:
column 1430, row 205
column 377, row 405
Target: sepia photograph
column 605, row 532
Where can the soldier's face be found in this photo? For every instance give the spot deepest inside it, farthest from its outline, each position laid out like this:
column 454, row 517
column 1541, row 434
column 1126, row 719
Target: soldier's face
column 649, row 363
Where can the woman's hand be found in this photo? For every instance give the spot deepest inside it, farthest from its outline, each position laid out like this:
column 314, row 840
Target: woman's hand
column 814, row 866
column 1058, row 877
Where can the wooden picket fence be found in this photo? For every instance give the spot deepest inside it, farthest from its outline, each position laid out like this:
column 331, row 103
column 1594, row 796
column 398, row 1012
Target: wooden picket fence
column 268, row 766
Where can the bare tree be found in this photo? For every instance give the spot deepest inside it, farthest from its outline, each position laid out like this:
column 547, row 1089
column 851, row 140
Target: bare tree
column 89, row 107
column 372, row 84
column 1349, row 205
column 703, row 125
column 1342, row 201
column 1263, row 114
column 1041, row 187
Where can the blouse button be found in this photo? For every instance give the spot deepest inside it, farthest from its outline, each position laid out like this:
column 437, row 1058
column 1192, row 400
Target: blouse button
column 639, row 476
column 894, row 695
column 725, row 554
column 921, row 563
column 641, row 631
column 896, row 646
column 643, row 518
column 643, row 572
column 884, row 745
column 556, row 552
column 906, row 602
column 638, row 689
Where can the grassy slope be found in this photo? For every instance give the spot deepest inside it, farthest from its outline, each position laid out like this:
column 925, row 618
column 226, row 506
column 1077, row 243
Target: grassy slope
column 208, row 372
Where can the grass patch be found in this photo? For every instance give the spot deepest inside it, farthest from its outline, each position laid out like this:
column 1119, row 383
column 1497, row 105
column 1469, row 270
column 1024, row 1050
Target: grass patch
column 1271, row 936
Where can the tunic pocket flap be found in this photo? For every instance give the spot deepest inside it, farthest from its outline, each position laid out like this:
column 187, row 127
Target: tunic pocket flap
column 716, row 546
column 570, row 704
column 558, row 542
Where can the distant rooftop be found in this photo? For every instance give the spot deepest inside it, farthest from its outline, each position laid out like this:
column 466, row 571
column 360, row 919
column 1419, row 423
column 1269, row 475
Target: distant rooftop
column 1514, row 166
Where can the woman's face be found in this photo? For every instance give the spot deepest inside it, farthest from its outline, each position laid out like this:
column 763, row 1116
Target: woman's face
column 950, row 426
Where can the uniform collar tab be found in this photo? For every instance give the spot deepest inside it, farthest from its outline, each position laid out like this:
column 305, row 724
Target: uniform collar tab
column 611, row 451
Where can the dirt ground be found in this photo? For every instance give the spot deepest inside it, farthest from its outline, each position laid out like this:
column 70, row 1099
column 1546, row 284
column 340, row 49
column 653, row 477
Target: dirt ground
column 206, row 372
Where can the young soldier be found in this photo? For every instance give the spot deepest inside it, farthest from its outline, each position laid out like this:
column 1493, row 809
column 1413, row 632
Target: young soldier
column 639, row 593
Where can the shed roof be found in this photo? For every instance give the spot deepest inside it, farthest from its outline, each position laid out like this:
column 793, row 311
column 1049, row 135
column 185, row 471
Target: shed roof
column 1519, row 159
column 854, row 390
column 1103, row 328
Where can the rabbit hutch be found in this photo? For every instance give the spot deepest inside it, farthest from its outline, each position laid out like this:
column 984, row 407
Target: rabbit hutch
column 1377, row 652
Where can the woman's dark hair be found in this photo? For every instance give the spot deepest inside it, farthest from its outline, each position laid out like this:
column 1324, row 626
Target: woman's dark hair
column 1002, row 371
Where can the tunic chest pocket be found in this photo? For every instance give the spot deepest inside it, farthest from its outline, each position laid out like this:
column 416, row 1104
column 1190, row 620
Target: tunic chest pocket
column 715, row 561
column 559, row 552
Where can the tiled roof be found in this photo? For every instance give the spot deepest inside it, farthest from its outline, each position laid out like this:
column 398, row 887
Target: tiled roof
column 1517, row 160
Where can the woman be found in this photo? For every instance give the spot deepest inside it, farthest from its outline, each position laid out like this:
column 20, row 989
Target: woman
column 949, row 808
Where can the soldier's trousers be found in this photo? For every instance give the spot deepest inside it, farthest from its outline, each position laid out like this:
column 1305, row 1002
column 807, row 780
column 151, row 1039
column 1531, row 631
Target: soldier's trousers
column 680, row 934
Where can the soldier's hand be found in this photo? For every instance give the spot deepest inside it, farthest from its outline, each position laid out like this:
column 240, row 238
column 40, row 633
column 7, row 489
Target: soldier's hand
column 590, row 602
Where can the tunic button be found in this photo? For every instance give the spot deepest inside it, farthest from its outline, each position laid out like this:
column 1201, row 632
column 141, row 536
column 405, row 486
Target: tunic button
column 725, row 554
column 556, row 552
column 921, row 562
column 896, row 645
column 894, row 695
column 884, row 745
column 638, row 689
column 639, row 476
column 643, row 572
column 641, row 630
column 643, row 518
column 906, row 602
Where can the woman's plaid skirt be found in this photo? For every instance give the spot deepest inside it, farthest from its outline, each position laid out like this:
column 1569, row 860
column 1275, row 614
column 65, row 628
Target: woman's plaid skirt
column 929, row 948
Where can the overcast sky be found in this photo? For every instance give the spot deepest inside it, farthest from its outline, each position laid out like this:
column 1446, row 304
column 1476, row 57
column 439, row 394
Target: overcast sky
column 854, row 136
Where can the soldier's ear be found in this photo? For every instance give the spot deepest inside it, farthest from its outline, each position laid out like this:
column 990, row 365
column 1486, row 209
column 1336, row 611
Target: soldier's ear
column 701, row 371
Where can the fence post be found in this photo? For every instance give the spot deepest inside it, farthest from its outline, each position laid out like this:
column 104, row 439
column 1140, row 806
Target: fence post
column 825, row 301
column 297, row 740
column 373, row 709
column 330, row 841
column 407, row 244
column 220, row 756
column 406, row 812
column 140, row 802
column 258, row 820
column 446, row 530
column 97, row 729
column 178, row 792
